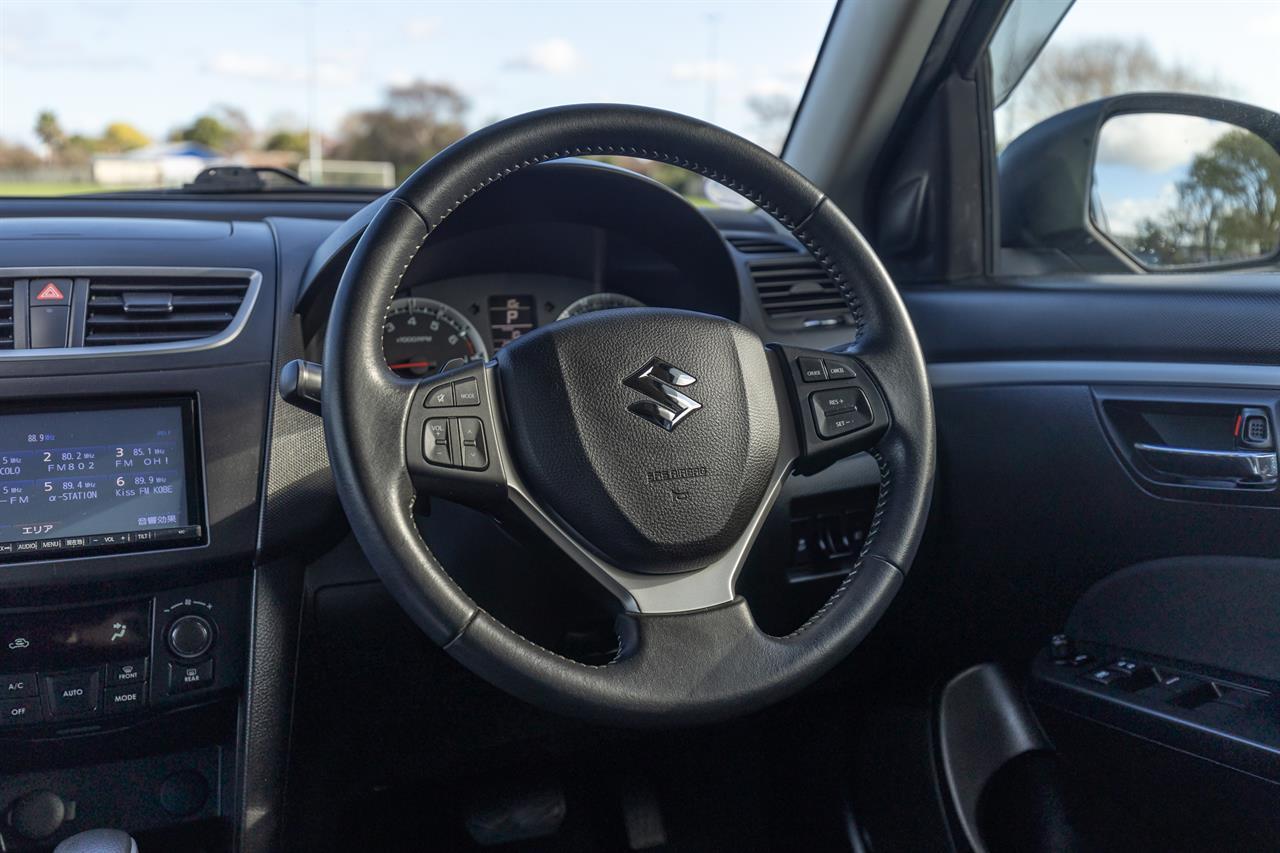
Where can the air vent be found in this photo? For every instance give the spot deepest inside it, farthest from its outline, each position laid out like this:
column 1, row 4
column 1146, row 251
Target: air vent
column 132, row 311
column 799, row 290
column 750, row 244
column 6, row 314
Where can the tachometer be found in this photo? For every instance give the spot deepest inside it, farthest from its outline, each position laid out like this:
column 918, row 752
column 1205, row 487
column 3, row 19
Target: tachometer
column 599, row 302
column 422, row 335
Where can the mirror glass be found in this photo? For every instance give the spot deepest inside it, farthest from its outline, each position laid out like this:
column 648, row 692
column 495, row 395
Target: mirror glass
column 1176, row 190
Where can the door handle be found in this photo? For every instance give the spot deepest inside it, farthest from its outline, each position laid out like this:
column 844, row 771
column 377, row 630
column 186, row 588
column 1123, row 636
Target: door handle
column 1241, row 467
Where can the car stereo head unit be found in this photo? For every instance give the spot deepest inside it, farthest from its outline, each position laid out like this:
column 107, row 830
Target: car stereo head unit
column 97, row 478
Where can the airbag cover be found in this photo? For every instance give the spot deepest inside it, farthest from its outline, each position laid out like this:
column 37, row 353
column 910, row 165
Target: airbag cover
column 589, row 404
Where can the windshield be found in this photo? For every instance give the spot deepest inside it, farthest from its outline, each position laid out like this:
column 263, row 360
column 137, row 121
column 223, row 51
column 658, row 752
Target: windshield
column 127, row 95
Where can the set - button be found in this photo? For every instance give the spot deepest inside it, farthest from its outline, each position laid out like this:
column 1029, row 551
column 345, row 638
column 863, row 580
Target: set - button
column 455, row 443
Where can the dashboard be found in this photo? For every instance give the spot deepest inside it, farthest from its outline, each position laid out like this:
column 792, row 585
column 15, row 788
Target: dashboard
column 161, row 503
column 471, row 318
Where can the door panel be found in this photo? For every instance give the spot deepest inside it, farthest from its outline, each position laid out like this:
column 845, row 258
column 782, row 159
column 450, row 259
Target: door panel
column 1045, row 397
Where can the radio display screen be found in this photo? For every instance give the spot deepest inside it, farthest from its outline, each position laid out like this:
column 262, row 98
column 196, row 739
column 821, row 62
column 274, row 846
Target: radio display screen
column 96, row 479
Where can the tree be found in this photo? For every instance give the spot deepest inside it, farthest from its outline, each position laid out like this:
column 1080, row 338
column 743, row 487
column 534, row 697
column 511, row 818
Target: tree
column 50, row 131
column 121, row 136
column 1227, row 208
column 416, row 121
column 1068, row 75
column 17, row 158
column 297, row 141
column 208, row 131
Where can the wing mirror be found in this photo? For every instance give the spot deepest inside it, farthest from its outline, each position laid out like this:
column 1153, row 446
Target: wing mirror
column 1147, row 182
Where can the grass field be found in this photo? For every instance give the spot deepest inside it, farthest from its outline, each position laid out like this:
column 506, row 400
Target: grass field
column 36, row 188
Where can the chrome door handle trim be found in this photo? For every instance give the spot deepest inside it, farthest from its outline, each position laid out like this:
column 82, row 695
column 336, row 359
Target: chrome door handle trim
column 1244, row 467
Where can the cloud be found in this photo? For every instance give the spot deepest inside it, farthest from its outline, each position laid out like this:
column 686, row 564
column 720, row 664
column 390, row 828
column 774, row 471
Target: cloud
column 336, row 70
column 1125, row 214
column 703, row 71
column 1156, row 143
column 422, row 28
column 552, row 56
column 769, row 86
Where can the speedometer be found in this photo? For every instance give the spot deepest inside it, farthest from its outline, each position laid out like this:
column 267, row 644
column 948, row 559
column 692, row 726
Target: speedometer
column 599, row 302
column 422, row 335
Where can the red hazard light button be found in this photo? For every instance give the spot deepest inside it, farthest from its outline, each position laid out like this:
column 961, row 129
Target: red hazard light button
column 50, row 291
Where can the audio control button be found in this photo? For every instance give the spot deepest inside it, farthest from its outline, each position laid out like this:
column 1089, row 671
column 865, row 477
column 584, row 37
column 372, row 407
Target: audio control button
column 190, row 636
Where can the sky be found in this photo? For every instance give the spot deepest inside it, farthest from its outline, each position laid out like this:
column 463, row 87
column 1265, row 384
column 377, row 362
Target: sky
column 1233, row 42
column 159, row 64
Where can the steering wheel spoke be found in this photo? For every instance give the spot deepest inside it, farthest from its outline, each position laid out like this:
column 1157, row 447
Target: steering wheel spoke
column 837, row 404
column 453, row 440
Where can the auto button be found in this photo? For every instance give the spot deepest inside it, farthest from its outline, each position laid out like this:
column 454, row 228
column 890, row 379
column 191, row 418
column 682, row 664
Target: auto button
column 72, row 694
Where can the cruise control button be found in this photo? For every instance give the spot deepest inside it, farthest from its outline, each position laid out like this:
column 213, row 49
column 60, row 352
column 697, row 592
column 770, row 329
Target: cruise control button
column 127, row 672
column 435, row 441
column 467, row 392
column 20, row 711
column 811, row 369
column 72, row 694
column 474, row 455
column 121, row 700
column 183, row 678
column 838, row 369
column 839, row 400
column 441, row 396
column 839, row 412
column 18, row 686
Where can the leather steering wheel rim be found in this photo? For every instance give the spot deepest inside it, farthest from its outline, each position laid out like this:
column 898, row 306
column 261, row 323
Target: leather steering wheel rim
column 677, row 668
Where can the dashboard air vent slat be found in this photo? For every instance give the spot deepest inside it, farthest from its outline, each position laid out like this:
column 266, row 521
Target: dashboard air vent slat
column 132, row 311
column 749, row 244
column 798, row 289
column 6, row 314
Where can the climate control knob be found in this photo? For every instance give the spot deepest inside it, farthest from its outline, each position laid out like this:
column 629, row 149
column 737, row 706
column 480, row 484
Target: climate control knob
column 190, row 636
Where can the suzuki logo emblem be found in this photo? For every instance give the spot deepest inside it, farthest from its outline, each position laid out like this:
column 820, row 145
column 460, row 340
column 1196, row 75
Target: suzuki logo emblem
column 667, row 405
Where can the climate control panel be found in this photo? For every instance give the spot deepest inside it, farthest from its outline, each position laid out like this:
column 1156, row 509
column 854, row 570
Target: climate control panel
column 93, row 664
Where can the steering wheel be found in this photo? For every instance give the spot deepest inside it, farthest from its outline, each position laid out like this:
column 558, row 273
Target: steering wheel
column 648, row 444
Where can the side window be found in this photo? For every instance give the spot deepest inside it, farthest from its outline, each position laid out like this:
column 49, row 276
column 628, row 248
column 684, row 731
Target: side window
column 1137, row 137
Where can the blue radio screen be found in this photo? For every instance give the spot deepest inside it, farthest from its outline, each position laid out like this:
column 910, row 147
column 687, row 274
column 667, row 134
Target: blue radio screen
column 87, row 479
